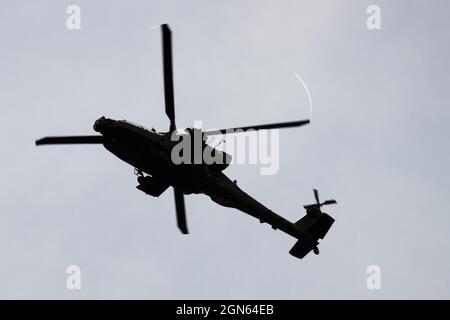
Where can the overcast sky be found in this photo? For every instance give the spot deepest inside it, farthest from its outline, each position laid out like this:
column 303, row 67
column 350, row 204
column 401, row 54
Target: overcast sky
column 377, row 143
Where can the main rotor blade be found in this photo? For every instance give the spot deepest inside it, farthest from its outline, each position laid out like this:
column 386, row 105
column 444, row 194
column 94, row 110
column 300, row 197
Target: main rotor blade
column 332, row 201
column 181, row 211
column 258, row 127
column 316, row 195
column 70, row 140
column 168, row 74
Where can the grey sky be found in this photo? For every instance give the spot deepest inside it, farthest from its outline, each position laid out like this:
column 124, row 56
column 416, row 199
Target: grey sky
column 378, row 143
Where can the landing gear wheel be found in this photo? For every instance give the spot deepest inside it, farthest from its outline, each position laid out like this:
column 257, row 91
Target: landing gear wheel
column 316, row 250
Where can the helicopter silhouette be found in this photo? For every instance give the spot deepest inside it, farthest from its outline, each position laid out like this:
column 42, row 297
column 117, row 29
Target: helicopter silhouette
column 149, row 152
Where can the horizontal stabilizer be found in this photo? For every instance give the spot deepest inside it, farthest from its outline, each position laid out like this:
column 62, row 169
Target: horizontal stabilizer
column 303, row 247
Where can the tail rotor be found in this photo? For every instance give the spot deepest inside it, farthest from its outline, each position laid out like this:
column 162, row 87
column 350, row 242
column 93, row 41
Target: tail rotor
column 318, row 204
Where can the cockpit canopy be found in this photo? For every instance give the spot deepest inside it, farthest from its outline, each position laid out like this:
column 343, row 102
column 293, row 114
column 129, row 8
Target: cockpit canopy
column 101, row 123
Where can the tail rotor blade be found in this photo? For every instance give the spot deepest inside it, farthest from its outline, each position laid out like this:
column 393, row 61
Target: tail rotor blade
column 168, row 74
column 269, row 126
column 181, row 211
column 316, row 195
column 70, row 140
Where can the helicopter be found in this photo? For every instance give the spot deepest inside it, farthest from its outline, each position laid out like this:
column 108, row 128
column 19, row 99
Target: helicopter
column 149, row 152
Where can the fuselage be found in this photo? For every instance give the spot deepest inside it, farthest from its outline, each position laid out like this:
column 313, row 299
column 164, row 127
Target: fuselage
column 151, row 152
